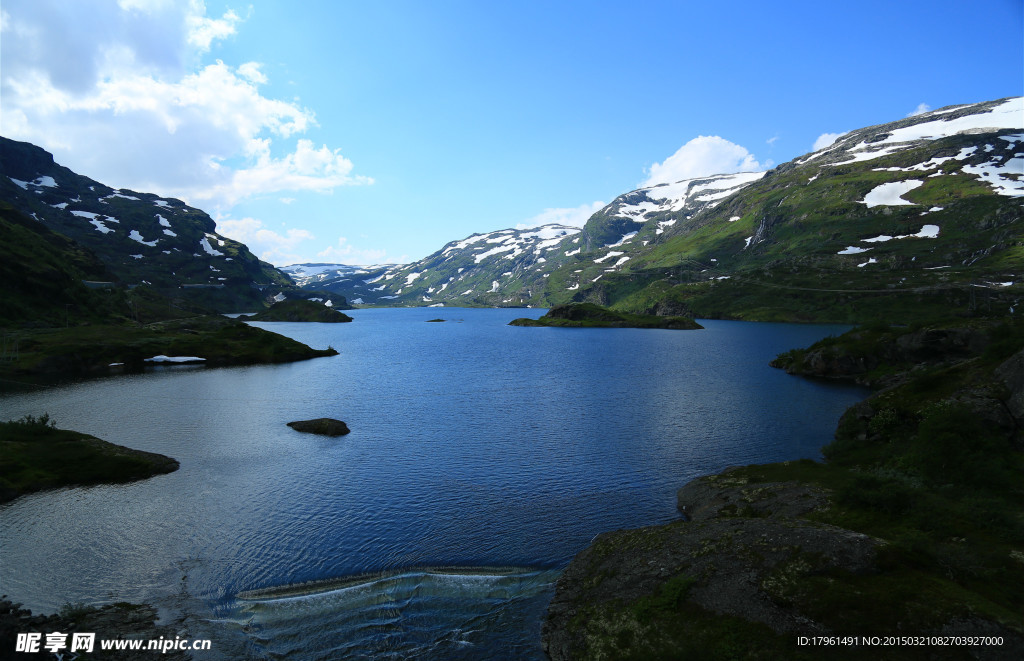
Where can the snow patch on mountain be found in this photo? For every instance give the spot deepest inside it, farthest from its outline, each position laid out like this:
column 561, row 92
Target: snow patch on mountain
column 891, row 194
column 864, row 146
column 135, row 236
column 624, row 239
column 210, row 250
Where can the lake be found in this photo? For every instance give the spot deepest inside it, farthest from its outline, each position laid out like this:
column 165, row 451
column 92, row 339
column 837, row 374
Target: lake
column 482, row 458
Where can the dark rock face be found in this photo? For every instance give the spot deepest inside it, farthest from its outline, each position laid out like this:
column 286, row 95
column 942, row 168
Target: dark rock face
column 744, row 549
column 705, row 499
column 322, row 426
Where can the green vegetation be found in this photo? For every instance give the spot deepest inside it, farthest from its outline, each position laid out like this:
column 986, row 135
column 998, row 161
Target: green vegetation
column 35, row 455
column 53, row 324
column 773, row 250
column 588, row 315
column 137, row 238
column 94, row 350
column 299, row 310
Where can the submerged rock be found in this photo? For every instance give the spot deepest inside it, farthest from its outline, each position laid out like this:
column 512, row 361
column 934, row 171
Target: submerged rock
column 322, row 426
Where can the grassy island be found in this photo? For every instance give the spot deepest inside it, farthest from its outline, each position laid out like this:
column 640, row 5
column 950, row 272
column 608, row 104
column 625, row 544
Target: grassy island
column 36, row 455
column 588, row 315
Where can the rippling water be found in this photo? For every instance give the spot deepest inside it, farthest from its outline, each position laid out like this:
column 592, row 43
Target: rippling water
column 473, row 445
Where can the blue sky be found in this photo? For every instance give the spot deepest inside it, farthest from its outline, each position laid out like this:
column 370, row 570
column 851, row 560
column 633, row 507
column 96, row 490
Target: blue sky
column 368, row 132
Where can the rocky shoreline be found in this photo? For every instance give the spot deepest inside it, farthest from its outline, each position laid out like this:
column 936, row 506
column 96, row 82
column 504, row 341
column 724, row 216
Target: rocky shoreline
column 121, row 621
column 907, row 529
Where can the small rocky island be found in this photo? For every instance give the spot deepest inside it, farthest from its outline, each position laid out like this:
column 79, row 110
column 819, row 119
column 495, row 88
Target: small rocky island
column 36, row 455
column 321, row 426
column 299, row 310
column 588, row 315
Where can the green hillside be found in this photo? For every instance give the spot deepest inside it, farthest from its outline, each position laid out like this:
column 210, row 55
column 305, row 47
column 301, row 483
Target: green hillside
column 917, row 228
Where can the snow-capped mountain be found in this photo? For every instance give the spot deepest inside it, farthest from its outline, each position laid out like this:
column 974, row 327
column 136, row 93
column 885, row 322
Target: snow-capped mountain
column 141, row 238
column 645, row 213
column 511, row 267
column 502, row 268
column 926, row 211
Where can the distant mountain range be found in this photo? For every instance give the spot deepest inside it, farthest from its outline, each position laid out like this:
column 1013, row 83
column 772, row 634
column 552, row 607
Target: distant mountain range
column 918, row 216
column 921, row 216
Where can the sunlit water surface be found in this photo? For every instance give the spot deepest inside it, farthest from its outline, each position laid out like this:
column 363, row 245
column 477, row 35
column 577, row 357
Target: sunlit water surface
column 482, row 458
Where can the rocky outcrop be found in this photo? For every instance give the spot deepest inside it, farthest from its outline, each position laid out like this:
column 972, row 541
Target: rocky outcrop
column 122, row 621
column 740, row 556
column 1011, row 374
column 864, row 351
column 321, row 426
column 890, row 534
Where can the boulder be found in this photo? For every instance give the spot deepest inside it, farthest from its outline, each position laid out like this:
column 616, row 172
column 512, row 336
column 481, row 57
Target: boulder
column 322, row 426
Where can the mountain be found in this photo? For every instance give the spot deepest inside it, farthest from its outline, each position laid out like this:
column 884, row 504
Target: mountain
column 918, row 216
column 332, row 281
column 44, row 275
column 511, row 267
column 140, row 238
column 501, row 268
column 921, row 216
column 643, row 215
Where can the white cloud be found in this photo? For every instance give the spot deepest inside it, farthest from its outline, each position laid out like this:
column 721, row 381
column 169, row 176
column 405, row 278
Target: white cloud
column 772, row 140
column 826, row 140
column 117, row 92
column 202, row 30
column 574, row 216
column 265, row 243
column 921, row 109
column 704, row 155
column 251, row 72
column 305, row 169
column 343, row 253
column 297, row 246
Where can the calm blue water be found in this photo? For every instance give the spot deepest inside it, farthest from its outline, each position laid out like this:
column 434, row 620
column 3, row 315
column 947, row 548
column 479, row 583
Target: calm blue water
column 482, row 458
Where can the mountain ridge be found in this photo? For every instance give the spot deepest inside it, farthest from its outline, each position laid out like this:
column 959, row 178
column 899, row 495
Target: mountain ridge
column 912, row 217
column 142, row 238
